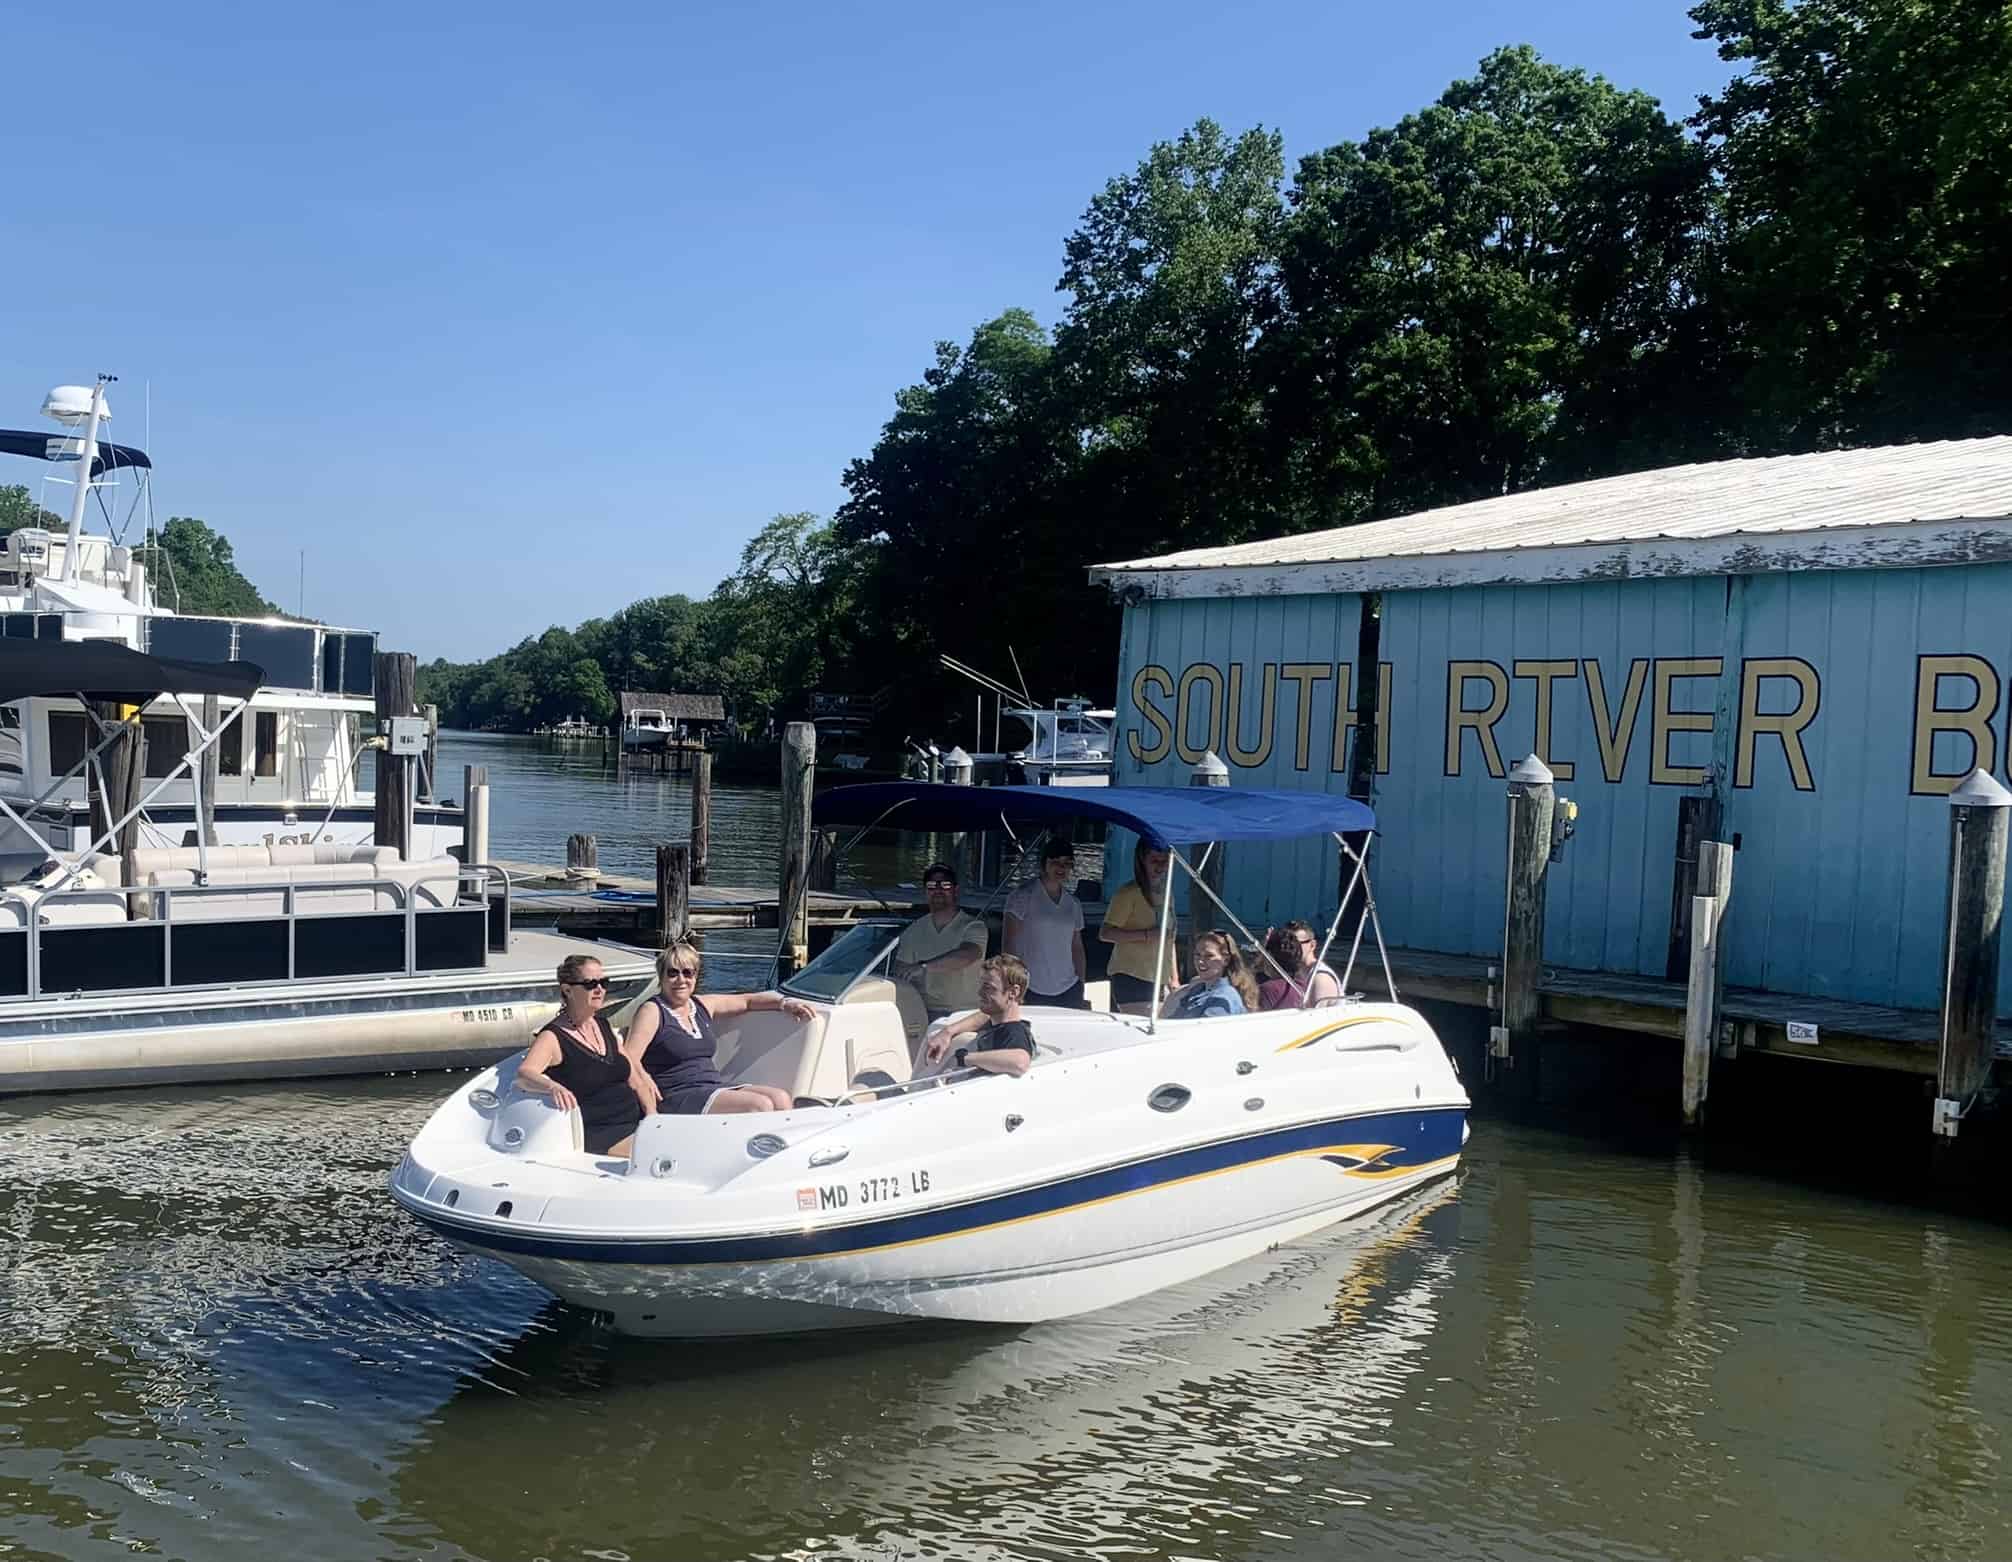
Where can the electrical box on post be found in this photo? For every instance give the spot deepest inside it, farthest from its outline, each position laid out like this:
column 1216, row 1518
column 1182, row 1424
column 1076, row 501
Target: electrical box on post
column 408, row 735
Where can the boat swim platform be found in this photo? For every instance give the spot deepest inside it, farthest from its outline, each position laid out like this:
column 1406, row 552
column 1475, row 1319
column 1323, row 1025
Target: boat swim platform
column 1861, row 1034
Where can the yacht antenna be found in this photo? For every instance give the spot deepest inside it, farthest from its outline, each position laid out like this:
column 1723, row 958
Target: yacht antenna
column 1025, row 697
column 72, row 559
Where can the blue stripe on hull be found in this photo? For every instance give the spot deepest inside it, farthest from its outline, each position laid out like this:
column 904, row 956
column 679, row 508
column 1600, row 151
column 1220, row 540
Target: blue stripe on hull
column 1424, row 1136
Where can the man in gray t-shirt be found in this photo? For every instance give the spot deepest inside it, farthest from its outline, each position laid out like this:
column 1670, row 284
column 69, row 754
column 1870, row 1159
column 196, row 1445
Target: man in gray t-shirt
column 941, row 950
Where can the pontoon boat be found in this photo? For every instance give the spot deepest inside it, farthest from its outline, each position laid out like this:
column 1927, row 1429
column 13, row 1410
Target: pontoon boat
column 1136, row 1153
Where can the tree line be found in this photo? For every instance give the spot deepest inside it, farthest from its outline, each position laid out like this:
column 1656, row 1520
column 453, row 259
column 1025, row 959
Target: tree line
column 1540, row 277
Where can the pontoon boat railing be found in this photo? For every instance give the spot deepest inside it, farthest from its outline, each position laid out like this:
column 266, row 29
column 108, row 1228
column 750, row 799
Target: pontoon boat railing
column 415, row 960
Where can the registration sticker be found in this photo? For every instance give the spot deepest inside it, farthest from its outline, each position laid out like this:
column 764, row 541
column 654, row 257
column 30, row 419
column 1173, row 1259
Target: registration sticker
column 806, row 1199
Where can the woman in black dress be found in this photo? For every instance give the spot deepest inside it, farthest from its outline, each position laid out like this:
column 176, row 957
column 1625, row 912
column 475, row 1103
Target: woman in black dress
column 671, row 1039
column 577, row 1061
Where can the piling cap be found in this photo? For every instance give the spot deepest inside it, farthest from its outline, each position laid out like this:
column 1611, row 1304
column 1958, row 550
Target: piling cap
column 1209, row 770
column 1530, row 771
column 1980, row 789
column 957, row 756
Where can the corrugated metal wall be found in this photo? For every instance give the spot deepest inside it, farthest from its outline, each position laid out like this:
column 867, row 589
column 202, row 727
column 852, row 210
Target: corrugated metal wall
column 1840, row 879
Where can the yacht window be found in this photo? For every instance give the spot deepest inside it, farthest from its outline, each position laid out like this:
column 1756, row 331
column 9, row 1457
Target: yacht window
column 265, row 743
column 231, row 749
column 167, row 744
column 10, row 740
column 69, row 740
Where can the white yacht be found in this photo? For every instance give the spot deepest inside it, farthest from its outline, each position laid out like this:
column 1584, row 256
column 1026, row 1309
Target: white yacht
column 290, row 774
column 1071, row 745
column 1134, row 1154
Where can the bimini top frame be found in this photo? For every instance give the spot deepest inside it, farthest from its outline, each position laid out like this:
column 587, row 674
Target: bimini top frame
column 1166, row 816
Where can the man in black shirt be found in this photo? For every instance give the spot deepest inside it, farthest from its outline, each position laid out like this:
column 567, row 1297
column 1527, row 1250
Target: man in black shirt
column 1001, row 1042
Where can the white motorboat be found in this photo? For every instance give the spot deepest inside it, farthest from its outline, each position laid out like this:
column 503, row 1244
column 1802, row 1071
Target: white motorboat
column 1134, row 1154
column 286, row 775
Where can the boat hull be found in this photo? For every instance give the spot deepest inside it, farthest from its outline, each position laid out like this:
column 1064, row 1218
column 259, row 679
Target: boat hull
column 1116, row 1252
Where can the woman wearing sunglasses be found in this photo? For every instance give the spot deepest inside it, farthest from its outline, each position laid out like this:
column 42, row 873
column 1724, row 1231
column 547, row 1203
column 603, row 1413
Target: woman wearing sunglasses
column 577, row 1061
column 671, row 1039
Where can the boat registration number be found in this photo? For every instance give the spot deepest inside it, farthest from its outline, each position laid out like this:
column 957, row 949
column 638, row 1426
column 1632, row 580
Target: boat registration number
column 503, row 1011
column 867, row 1190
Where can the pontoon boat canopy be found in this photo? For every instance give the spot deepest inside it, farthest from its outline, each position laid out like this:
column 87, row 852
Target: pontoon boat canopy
column 1171, row 815
column 106, row 670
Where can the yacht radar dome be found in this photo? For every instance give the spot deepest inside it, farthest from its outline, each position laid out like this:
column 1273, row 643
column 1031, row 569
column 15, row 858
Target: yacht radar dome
column 70, row 405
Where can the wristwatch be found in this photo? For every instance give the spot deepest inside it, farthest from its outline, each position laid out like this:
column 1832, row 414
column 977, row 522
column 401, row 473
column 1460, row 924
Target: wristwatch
column 960, row 1055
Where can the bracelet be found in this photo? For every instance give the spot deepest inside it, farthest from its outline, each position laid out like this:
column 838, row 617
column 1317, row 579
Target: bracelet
column 960, row 1055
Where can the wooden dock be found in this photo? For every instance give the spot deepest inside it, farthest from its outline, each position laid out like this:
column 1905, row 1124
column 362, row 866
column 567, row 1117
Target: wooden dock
column 624, row 907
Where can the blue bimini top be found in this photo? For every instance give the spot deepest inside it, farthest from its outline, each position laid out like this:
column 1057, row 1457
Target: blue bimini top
column 1167, row 815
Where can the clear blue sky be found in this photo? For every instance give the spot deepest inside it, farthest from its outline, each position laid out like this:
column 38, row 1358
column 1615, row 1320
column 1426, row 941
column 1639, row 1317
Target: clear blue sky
column 509, row 315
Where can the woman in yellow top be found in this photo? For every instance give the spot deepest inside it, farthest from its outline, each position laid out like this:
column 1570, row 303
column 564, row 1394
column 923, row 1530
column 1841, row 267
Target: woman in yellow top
column 1131, row 927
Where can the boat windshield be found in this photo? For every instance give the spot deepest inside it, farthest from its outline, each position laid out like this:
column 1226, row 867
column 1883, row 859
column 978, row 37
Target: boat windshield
column 858, row 952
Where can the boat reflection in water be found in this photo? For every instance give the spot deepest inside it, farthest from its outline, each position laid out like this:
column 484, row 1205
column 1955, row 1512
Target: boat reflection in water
column 1175, row 1421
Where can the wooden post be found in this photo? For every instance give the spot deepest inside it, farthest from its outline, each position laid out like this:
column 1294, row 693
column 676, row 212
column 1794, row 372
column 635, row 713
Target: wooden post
column 674, row 893
column 824, row 861
column 1698, row 820
column 397, row 673
column 799, row 771
column 1513, row 1042
column 1979, row 811
column 206, row 773
column 123, row 765
column 583, row 856
column 1203, row 913
column 1704, row 995
column 702, row 813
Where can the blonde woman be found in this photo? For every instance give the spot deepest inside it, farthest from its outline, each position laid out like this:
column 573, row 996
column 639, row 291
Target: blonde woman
column 671, row 1038
column 1132, row 928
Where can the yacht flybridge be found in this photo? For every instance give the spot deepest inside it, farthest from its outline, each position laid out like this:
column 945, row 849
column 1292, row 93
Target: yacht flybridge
column 1136, row 1153
column 287, row 774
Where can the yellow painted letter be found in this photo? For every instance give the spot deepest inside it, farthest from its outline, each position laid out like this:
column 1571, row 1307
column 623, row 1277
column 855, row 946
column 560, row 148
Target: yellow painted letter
column 1459, row 718
column 1663, row 720
column 1144, row 678
column 1972, row 720
column 1786, row 725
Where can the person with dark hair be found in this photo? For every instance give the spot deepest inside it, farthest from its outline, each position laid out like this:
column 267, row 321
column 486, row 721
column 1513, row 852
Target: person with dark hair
column 941, row 949
column 576, row 1061
column 1044, row 927
column 1001, row 1041
column 1222, row 983
column 671, row 1038
column 1307, row 979
column 1132, row 928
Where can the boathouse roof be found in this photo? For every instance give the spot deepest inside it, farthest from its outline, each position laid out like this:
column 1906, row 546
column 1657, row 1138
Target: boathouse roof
column 1888, row 507
column 677, row 707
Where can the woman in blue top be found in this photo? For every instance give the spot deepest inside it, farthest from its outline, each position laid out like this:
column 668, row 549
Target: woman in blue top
column 1222, row 983
column 672, row 1038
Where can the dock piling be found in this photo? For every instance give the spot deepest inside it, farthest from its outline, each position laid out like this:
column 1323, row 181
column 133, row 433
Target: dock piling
column 1979, row 812
column 474, row 813
column 583, row 856
column 674, row 893
column 702, row 813
column 1704, row 996
column 397, row 674
column 206, row 774
column 1697, row 822
column 1512, row 1043
column 799, row 771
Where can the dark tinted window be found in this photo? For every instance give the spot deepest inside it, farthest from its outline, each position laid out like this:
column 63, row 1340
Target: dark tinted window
column 167, row 743
column 67, row 740
column 265, row 742
column 284, row 652
column 190, row 639
column 231, row 748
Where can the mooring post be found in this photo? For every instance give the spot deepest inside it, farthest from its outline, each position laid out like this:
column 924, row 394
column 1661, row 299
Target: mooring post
column 702, row 813
column 397, row 673
column 1979, row 810
column 583, row 856
column 674, row 893
column 1203, row 915
column 1697, row 822
column 474, row 813
column 799, row 771
column 1513, row 1042
column 824, row 861
column 429, row 773
column 1704, row 993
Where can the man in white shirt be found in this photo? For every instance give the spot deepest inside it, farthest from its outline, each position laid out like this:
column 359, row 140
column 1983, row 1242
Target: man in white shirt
column 941, row 951
column 1044, row 927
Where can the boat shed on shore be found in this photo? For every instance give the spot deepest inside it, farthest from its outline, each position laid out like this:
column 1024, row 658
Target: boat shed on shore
column 1818, row 644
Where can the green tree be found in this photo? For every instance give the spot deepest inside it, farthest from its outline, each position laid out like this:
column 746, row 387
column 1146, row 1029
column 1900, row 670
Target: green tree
column 1866, row 157
column 1497, row 290
column 195, row 571
column 18, row 509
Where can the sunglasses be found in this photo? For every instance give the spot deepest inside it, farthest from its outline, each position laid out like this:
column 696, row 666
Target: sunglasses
column 685, row 973
column 939, row 884
column 594, row 981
